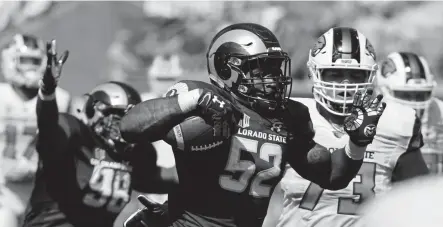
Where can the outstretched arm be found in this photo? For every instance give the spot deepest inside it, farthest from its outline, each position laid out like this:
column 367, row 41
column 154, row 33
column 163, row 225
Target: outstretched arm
column 334, row 170
column 47, row 109
column 314, row 162
column 153, row 119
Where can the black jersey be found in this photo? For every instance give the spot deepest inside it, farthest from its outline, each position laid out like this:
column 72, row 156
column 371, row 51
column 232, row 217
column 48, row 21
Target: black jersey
column 78, row 182
column 229, row 183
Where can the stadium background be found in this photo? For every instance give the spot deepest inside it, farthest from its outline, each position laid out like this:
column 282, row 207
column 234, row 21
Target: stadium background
column 120, row 40
column 129, row 41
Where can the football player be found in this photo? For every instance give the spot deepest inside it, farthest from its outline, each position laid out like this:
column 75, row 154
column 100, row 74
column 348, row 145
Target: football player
column 405, row 78
column 23, row 61
column 341, row 63
column 86, row 171
column 231, row 138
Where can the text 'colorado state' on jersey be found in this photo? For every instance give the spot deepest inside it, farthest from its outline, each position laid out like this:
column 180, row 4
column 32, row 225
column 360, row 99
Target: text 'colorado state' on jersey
column 307, row 204
column 235, row 175
column 244, row 124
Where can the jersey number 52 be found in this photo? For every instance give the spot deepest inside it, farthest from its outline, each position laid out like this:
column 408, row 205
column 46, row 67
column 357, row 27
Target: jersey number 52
column 268, row 152
column 110, row 187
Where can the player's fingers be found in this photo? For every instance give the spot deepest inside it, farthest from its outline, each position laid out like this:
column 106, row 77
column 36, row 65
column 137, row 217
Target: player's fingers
column 145, row 201
column 48, row 53
column 381, row 109
column 367, row 97
column 357, row 99
column 376, row 101
column 53, row 47
column 63, row 58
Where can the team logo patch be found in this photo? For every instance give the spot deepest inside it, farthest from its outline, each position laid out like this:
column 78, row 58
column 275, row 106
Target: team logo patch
column 318, row 46
column 276, row 126
column 369, row 130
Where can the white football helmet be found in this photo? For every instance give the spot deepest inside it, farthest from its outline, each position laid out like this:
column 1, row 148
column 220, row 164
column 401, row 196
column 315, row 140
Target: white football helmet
column 24, row 61
column 406, row 78
column 340, row 48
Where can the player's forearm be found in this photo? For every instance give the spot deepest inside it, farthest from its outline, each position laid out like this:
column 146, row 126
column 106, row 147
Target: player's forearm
column 334, row 170
column 345, row 164
column 47, row 112
column 153, row 119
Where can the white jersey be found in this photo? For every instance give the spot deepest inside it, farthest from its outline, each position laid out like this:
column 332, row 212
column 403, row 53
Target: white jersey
column 432, row 130
column 18, row 130
column 306, row 204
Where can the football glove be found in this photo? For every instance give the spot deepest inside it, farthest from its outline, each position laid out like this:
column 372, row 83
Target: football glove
column 366, row 111
column 53, row 68
column 152, row 215
column 218, row 112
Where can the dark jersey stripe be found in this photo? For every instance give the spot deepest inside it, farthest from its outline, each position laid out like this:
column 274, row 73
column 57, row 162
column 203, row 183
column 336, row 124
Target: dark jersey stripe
column 346, row 44
column 412, row 61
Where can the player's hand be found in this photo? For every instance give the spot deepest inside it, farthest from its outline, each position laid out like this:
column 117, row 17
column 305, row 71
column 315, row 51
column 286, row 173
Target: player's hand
column 153, row 214
column 218, row 112
column 366, row 111
column 53, row 68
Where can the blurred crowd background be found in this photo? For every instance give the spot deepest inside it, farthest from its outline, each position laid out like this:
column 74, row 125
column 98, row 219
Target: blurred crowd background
column 133, row 41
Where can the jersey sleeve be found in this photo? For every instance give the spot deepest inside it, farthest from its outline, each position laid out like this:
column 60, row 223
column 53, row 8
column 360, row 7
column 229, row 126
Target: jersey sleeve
column 300, row 121
column 177, row 137
column 301, row 131
column 53, row 143
column 398, row 131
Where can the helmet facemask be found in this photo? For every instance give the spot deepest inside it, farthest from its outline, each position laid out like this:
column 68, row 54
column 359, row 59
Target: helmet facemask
column 417, row 98
column 23, row 66
column 106, row 122
column 263, row 80
column 334, row 88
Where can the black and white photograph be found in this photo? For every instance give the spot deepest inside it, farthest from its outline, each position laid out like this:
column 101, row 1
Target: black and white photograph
column 175, row 113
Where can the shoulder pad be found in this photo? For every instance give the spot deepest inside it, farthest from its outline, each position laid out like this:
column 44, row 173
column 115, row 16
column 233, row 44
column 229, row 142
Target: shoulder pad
column 299, row 118
column 187, row 85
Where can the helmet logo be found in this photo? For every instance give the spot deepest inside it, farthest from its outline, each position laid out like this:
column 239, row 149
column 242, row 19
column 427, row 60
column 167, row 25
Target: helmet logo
column 270, row 49
column 388, row 67
column 369, row 130
column 370, row 50
column 318, row 46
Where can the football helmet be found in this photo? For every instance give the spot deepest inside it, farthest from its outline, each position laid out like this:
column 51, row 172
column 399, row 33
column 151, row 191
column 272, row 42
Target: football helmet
column 105, row 106
column 406, row 78
column 24, row 61
column 338, row 49
column 247, row 60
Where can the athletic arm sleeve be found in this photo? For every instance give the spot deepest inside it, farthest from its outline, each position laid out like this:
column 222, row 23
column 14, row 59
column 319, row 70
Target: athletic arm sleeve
column 315, row 162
